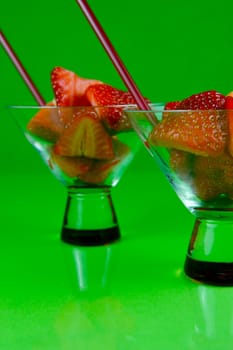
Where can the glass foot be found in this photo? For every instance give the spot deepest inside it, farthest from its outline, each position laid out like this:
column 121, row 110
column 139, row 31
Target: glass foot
column 214, row 273
column 209, row 258
column 90, row 218
column 90, row 237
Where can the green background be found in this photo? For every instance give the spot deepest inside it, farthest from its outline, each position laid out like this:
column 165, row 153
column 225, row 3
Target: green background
column 172, row 49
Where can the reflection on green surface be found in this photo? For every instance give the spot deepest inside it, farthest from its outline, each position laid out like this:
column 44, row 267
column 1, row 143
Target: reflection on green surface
column 213, row 325
column 90, row 269
column 130, row 295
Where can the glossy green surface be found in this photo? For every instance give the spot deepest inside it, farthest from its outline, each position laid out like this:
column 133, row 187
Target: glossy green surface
column 132, row 295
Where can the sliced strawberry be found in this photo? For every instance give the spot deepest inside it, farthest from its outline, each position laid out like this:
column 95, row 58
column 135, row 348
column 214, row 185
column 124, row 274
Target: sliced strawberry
column 213, row 176
column 85, row 137
column 46, row 123
column 209, row 177
column 171, row 105
column 49, row 123
column 102, row 169
column 229, row 101
column 99, row 171
column 206, row 189
column 205, row 178
column 72, row 90
column 69, row 88
column 199, row 132
column 229, row 107
column 181, row 163
column 226, row 166
column 71, row 166
column 203, row 100
column 204, row 134
column 106, row 95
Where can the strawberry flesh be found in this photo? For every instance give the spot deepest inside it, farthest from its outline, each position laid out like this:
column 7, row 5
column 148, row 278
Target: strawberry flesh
column 69, row 88
column 203, row 100
column 84, row 145
column 171, row 105
column 71, row 166
column 199, row 132
column 106, row 95
column 46, row 124
column 85, row 137
column 213, row 176
column 229, row 108
column 203, row 133
column 72, row 90
column 181, row 163
column 101, row 169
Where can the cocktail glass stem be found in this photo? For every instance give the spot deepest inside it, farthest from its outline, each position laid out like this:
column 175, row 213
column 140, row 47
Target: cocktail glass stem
column 210, row 255
column 90, row 217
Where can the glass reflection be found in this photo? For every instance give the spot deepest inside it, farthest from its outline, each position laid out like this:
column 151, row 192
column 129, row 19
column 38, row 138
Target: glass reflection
column 213, row 326
column 90, row 269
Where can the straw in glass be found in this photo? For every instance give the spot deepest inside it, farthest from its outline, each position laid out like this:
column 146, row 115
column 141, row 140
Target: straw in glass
column 113, row 55
column 25, row 76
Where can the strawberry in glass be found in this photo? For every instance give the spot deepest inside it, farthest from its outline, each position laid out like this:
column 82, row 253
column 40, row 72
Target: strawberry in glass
column 87, row 142
column 192, row 141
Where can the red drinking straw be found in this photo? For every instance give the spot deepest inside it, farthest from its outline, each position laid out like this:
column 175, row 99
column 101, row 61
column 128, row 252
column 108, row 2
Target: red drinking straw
column 116, row 60
column 9, row 50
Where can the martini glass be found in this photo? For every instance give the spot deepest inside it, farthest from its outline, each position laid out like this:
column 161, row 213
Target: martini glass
column 88, row 157
column 201, row 174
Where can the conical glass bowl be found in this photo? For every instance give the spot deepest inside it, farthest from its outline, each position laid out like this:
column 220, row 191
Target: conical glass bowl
column 88, row 157
column 193, row 150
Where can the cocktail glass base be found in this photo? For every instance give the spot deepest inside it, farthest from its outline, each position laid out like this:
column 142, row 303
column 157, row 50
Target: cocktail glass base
column 90, row 218
column 209, row 258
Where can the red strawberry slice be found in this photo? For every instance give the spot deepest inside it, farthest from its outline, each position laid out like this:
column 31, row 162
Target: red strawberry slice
column 101, row 170
column 229, row 101
column 229, row 107
column 71, row 166
column 181, row 163
column 85, row 137
column 208, row 182
column 213, row 176
column 69, row 88
column 106, row 95
column 49, row 123
column 203, row 133
column 172, row 105
column 206, row 188
column 199, row 132
column 46, row 123
column 203, row 100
